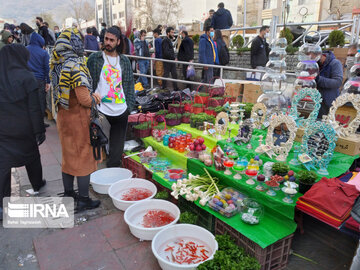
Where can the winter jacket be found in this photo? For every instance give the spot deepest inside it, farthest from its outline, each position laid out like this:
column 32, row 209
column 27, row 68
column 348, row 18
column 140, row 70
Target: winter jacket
column 102, row 35
column 39, row 58
column 167, row 49
column 259, row 52
column 207, row 48
column 90, row 43
column 222, row 19
column 330, row 78
column 158, row 49
column 44, row 32
column 52, row 38
column 219, row 45
column 207, row 23
column 141, row 47
column 186, row 50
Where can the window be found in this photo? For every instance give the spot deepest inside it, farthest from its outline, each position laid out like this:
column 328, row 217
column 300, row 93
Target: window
column 301, row 2
column 266, row 4
column 121, row 14
column 114, row 16
column 99, row 7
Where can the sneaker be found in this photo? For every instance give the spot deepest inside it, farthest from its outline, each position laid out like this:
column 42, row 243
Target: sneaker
column 86, row 203
column 42, row 184
column 46, row 125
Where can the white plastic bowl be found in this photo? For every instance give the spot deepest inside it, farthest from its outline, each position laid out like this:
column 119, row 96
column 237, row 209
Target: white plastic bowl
column 101, row 180
column 178, row 232
column 119, row 187
column 134, row 215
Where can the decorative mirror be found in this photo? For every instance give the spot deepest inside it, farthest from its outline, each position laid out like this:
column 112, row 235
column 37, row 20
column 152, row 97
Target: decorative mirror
column 308, row 94
column 245, row 132
column 258, row 115
column 280, row 136
column 317, row 147
column 348, row 127
column 221, row 123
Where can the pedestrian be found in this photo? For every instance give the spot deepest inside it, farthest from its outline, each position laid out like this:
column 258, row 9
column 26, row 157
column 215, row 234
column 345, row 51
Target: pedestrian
column 90, row 42
column 102, row 32
column 39, row 64
column 350, row 59
column 209, row 19
column 260, row 49
column 17, row 34
column 142, row 49
column 6, row 38
column 186, row 53
column 328, row 81
column 52, row 37
column 223, row 51
column 43, row 30
column 222, row 18
column 113, row 80
column 208, row 53
column 168, row 53
column 160, row 28
column 73, row 97
column 57, row 32
column 159, row 67
column 20, row 118
column 26, row 32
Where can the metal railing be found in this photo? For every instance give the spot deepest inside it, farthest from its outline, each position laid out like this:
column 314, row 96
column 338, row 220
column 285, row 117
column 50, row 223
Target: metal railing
column 152, row 76
column 354, row 24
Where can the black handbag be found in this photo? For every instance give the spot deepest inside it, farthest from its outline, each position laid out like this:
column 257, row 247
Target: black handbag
column 99, row 131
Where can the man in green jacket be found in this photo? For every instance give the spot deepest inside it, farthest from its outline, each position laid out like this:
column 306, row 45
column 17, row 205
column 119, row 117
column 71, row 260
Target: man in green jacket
column 6, row 38
column 113, row 80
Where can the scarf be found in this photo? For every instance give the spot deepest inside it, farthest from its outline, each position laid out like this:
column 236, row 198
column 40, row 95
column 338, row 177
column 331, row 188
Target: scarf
column 68, row 68
column 213, row 48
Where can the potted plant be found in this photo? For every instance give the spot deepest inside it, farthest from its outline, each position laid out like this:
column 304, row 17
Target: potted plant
column 185, row 118
column 142, row 130
column 248, row 108
column 197, row 108
column 306, row 180
column 210, row 119
column 187, row 105
column 173, row 119
column 176, row 108
column 201, row 98
column 160, row 115
column 336, row 38
column 200, row 119
column 280, row 168
column 210, row 110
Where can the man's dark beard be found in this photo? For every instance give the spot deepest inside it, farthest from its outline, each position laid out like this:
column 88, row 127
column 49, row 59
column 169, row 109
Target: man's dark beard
column 110, row 50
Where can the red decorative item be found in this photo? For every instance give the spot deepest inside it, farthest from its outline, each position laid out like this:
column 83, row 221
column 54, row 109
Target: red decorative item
column 217, row 91
column 174, row 108
column 197, row 110
column 142, row 133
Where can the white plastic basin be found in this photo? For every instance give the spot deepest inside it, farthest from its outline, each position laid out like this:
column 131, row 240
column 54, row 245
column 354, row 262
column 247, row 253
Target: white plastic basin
column 134, row 216
column 179, row 232
column 101, row 180
column 117, row 189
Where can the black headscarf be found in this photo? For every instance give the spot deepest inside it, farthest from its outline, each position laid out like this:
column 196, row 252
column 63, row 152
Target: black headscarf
column 16, row 78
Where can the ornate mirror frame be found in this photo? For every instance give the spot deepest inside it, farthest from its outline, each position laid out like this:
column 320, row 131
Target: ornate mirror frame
column 330, row 135
column 240, row 139
column 315, row 97
column 218, row 128
column 258, row 121
column 284, row 149
column 354, row 124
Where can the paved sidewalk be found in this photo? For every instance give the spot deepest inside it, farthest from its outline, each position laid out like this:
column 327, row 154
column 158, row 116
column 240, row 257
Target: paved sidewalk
column 102, row 240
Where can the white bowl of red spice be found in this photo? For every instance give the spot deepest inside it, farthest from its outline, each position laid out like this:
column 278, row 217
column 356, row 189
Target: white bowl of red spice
column 147, row 218
column 183, row 246
column 101, row 180
column 127, row 192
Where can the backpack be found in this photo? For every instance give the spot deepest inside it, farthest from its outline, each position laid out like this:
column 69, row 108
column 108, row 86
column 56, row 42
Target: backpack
column 224, row 56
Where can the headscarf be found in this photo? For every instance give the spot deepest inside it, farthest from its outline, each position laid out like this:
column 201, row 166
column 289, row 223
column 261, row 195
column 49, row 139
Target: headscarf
column 68, row 68
column 16, row 78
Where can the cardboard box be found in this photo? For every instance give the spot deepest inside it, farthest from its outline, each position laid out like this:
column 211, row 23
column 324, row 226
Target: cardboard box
column 349, row 146
column 251, row 93
column 234, row 90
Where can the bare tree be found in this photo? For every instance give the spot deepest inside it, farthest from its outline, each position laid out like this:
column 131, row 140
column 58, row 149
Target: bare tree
column 337, row 9
column 82, row 10
column 48, row 17
column 170, row 10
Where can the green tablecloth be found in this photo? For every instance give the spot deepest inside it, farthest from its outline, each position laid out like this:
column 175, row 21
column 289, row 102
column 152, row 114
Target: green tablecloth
column 339, row 164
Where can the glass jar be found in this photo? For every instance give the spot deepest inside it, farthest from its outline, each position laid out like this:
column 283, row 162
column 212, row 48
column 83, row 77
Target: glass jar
column 307, row 70
column 273, row 83
column 251, row 212
column 310, row 52
column 276, row 66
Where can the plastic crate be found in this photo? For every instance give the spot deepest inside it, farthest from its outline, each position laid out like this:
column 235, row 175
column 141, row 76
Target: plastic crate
column 205, row 219
column 273, row 257
column 137, row 168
